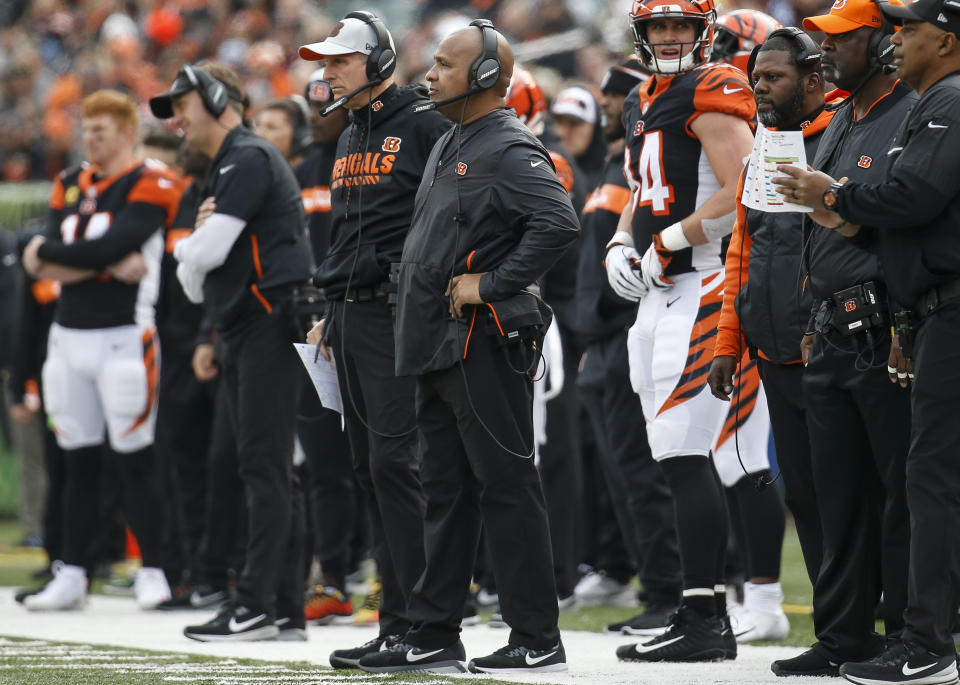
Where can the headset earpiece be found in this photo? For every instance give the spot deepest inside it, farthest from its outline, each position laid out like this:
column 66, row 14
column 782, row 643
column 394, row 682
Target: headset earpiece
column 302, row 137
column 382, row 62
column 213, row 94
column 485, row 70
column 879, row 47
column 809, row 50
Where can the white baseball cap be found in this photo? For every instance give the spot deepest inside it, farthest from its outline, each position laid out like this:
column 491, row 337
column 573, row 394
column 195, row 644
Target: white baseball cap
column 576, row 103
column 347, row 36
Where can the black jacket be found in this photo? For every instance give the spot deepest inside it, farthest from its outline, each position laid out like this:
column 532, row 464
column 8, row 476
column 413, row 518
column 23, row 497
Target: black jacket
column 601, row 313
column 374, row 182
column 178, row 319
column 313, row 175
column 271, row 254
column 515, row 220
column 858, row 150
column 763, row 273
column 915, row 209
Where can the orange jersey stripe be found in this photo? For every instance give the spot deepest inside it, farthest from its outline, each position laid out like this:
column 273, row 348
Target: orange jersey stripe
column 256, row 293
column 316, row 199
column 175, row 235
column 255, row 246
column 610, row 197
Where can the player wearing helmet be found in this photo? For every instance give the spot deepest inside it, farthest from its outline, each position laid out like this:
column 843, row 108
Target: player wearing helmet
column 688, row 128
column 738, row 32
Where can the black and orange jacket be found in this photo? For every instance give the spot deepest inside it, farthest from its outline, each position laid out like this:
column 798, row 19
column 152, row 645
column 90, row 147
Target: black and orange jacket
column 271, row 254
column 380, row 161
column 764, row 303
column 313, row 174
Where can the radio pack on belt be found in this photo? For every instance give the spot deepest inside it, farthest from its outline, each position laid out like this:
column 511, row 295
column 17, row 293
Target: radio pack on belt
column 857, row 309
column 522, row 317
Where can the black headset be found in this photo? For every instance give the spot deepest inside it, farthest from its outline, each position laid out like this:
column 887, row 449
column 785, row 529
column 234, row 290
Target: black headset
column 382, row 61
column 214, row 94
column 485, row 70
column 302, row 137
column 879, row 47
column 809, row 50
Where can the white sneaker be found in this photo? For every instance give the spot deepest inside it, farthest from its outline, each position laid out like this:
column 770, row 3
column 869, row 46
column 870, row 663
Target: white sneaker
column 598, row 589
column 761, row 617
column 150, row 587
column 67, row 590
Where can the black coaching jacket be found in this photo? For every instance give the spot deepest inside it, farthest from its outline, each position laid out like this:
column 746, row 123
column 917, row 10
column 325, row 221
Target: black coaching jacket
column 490, row 201
column 378, row 167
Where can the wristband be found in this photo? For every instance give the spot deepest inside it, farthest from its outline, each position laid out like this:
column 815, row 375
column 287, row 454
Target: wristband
column 620, row 238
column 673, row 237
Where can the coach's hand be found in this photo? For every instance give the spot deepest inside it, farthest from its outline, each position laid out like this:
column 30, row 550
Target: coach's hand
column 720, row 378
column 899, row 368
column 315, row 337
column 806, row 346
column 463, row 289
column 204, row 365
column 206, row 210
column 623, row 272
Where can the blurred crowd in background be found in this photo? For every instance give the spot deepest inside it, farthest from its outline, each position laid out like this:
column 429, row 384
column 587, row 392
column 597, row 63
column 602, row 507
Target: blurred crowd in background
column 54, row 52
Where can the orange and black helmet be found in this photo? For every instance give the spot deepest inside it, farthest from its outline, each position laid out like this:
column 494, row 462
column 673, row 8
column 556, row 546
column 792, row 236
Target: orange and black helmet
column 526, row 98
column 738, row 32
column 702, row 11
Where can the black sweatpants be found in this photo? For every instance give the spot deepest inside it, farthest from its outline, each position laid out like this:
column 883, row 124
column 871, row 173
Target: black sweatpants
column 380, row 417
column 330, row 484
column 933, row 483
column 469, row 479
column 787, row 406
column 261, row 375
column 638, row 490
column 859, row 426
column 560, row 468
column 184, row 419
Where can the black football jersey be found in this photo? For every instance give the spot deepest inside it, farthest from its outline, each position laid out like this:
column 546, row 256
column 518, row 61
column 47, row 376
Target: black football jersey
column 666, row 166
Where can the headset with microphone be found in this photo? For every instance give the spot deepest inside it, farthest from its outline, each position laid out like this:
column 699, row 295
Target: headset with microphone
column 381, row 63
column 213, row 94
column 809, row 50
column 879, row 47
column 484, row 72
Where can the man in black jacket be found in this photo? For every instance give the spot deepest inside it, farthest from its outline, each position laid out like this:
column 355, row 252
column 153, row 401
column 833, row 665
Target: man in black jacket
column 859, row 424
column 910, row 216
column 243, row 262
column 380, row 161
column 491, row 217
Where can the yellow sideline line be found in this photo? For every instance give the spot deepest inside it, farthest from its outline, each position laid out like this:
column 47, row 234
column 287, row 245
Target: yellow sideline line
column 797, row 609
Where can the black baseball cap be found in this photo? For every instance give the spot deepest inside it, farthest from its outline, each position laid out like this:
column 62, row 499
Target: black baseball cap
column 944, row 14
column 162, row 105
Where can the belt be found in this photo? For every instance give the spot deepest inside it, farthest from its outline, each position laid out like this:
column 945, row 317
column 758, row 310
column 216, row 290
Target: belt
column 937, row 295
column 364, row 294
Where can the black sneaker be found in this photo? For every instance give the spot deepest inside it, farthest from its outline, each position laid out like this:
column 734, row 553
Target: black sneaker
column 690, row 637
column 291, row 629
column 519, row 659
column 401, row 657
column 349, row 658
column 903, row 662
column 814, row 661
column 235, row 623
column 652, row 621
column 202, row 596
column 729, row 639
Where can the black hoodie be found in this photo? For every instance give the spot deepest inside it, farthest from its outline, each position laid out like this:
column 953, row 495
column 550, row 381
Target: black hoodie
column 379, row 164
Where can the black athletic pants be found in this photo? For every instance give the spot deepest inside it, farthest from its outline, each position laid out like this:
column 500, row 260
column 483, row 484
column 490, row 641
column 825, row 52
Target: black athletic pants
column 469, row 479
column 261, row 374
column 330, row 484
column 184, row 419
column 933, row 482
column 859, row 426
column 380, row 416
column 560, row 468
column 638, row 490
column 787, row 406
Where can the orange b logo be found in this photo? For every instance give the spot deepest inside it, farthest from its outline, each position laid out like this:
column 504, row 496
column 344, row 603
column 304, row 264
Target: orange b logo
column 391, row 144
column 865, row 162
column 462, row 169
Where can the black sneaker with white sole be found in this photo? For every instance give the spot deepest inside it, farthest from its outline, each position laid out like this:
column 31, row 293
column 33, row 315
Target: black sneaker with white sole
column 350, row 658
column 519, row 659
column 202, row 596
column 903, row 662
column 652, row 621
column 235, row 623
column 402, row 657
column 690, row 637
column 813, row 662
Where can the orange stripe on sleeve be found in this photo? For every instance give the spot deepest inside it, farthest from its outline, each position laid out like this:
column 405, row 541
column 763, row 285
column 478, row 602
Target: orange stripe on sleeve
column 56, row 195
column 175, row 235
column 255, row 247
column 730, row 339
column 160, row 188
column 609, row 197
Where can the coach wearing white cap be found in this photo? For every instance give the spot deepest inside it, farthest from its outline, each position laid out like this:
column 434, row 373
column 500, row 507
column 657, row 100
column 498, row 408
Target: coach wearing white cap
column 379, row 162
column 577, row 119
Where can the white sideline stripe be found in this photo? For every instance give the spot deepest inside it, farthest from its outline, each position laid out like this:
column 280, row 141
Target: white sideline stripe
column 116, row 621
